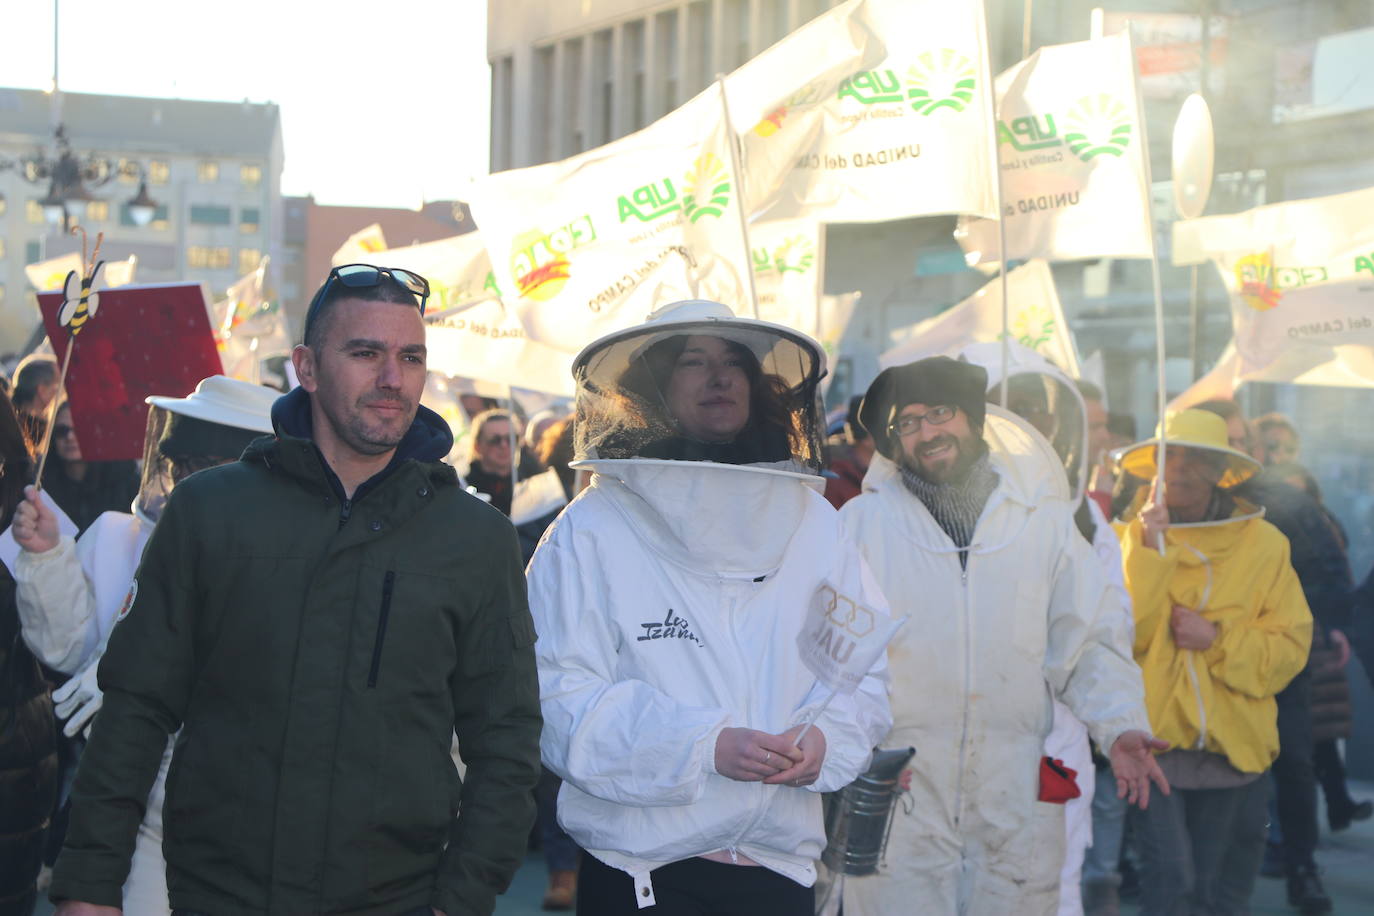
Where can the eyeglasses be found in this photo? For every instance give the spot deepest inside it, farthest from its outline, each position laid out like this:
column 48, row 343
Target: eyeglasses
column 489, row 441
column 907, row 424
column 363, row 276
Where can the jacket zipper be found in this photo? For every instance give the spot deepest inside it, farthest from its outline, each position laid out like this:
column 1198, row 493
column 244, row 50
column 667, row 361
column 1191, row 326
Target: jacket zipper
column 733, row 848
column 345, row 510
column 387, row 584
column 968, row 686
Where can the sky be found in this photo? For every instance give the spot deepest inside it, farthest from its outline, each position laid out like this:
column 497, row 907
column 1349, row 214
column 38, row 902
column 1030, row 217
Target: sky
column 382, row 103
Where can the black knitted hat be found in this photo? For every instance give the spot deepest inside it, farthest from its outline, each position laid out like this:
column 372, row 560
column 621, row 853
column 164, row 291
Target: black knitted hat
column 931, row 381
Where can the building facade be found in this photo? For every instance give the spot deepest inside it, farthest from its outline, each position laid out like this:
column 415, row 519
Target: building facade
column 214, row 168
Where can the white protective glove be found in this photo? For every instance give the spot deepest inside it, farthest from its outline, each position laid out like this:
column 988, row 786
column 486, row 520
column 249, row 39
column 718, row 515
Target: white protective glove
column 79, row 699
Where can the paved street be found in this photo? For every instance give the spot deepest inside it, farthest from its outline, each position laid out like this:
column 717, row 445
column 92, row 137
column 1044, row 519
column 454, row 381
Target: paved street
column 1347, row 857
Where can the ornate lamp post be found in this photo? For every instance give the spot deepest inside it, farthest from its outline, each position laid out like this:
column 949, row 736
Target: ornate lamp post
column 70, row 178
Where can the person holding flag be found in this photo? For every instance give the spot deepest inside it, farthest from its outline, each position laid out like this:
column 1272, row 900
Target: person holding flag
column 692, row 737
column 71, row 591
column 967, row 520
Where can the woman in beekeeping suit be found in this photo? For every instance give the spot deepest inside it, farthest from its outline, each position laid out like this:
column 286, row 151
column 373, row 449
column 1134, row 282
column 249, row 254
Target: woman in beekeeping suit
column 668, row 599
column 71, row 593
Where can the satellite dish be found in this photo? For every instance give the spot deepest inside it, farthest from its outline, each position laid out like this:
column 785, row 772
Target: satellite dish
column 1192, row 157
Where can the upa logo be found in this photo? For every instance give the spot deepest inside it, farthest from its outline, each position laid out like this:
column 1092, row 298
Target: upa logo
column 1097, row 125
column 940, row 79
column 539, row 261
column 705, row 192
column 796, row 254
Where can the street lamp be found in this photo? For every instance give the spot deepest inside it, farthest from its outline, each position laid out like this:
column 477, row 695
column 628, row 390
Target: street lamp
column 69, row 175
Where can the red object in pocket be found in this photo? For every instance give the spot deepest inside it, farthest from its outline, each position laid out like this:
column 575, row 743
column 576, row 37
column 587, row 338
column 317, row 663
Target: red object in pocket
column 1058, row 783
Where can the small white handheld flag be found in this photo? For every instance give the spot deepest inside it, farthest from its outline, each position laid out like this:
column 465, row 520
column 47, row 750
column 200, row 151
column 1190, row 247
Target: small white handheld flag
column 843, row 638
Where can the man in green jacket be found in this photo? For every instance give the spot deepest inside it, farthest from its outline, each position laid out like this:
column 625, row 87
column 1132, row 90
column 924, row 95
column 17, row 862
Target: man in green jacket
column 318, row 619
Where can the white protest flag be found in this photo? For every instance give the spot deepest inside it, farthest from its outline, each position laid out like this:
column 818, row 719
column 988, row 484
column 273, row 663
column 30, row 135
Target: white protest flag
column 361, row 246
column 1345, row 366
column 787, row 261
column 1300, row 275
column 905, row 135
column 469, row 332
column 52, row 273
column 249, row 326
column 843, row 638
column 778, row 98
column 594, row 243
column 1071, row 148
column 1035, row 320
column 458, row 269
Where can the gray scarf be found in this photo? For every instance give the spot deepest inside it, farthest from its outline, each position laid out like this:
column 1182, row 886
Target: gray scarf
column 956, row 505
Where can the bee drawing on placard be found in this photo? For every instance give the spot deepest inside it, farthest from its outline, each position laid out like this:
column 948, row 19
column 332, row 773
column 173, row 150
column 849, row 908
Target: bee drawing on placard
column 79, row 302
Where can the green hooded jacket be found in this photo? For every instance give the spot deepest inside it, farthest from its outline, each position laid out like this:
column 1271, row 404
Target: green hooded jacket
column 317, row 654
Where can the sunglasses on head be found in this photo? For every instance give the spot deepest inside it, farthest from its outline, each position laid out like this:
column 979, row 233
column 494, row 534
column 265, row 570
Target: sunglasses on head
column 363, row 276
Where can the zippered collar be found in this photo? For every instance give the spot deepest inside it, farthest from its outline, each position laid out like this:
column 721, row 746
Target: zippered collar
column 294, row 452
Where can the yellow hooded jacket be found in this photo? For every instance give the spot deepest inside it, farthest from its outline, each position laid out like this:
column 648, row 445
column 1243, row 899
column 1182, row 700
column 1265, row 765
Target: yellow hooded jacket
column 1236, row 573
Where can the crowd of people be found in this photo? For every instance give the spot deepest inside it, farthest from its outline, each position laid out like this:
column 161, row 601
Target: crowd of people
column 315, row 657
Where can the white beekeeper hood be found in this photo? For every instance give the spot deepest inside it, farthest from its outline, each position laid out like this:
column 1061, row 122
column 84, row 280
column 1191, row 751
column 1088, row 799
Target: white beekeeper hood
column 622, row 411
column 1043, row 395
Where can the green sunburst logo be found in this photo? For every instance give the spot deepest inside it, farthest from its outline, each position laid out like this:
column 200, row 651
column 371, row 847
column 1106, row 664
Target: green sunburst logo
column 706, row 189
column 1097, row 125
column 940, row 79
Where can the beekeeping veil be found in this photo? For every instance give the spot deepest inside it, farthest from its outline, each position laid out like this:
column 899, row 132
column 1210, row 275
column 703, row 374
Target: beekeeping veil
column 622, row 393
column 729, row 506
column 212, row 424
column 1044, row 396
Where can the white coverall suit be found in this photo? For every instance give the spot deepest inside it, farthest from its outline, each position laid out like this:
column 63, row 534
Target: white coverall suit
column 974, row 676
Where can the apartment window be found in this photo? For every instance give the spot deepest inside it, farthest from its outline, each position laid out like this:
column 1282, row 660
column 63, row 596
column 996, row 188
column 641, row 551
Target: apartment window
column 250, row 176
column 632, row 52
column 4, row 205
column 600, row 120
column 2, row 248
column 696, row 71
column 2, row 292
column 249, row 259
column 210, row 215
column 127, row 172
column 574, row 140
column 97, row 211
column 33, row 252
column 159, row 172
column 33, row 212
column 207, row 172
column 249, row 220
column 541, row 122
column 206, row 257
column 665, row 62
column 159, row 220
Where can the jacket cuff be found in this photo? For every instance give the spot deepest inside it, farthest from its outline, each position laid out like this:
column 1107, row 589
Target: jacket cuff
column 30, row 563
column 708, row 747
column 71, row 879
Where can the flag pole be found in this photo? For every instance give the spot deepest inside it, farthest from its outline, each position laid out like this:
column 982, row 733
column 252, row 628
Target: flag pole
column 1001, row 214
column 735, row 175
column 1160, row 381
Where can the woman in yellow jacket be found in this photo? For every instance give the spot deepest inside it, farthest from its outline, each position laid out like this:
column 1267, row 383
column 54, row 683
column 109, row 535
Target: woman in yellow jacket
column 1221, row 627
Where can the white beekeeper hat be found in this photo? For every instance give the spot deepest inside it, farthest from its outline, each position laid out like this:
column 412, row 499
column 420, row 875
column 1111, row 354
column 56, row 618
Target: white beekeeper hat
column 225, row 401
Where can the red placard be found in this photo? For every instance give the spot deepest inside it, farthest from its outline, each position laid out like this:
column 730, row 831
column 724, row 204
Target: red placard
column 143, row 340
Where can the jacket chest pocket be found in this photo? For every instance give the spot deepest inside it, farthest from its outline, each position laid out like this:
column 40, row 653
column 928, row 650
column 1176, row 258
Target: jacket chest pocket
column 405, row 632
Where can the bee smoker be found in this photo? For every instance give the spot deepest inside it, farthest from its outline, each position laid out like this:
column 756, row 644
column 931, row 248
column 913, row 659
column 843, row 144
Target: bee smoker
column 858, row 818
